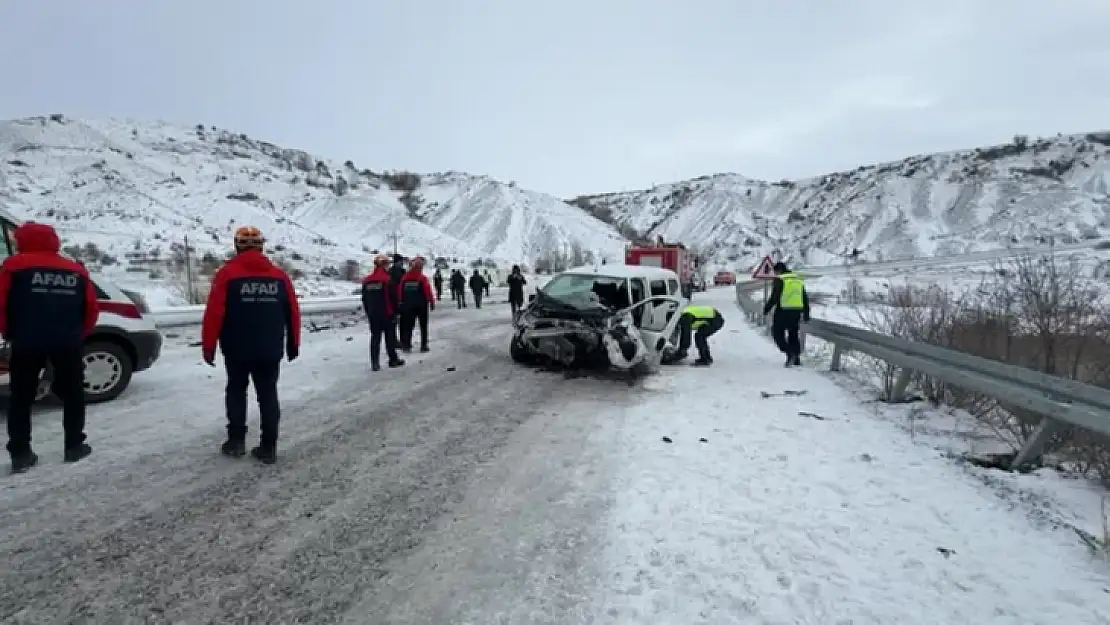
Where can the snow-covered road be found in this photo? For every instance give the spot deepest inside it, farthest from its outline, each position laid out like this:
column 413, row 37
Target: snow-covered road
column 462, row 489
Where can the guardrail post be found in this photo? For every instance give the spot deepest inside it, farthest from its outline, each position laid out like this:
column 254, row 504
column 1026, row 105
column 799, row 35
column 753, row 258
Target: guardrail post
column 1033, row 448
column 838, row 353
column 898, row 390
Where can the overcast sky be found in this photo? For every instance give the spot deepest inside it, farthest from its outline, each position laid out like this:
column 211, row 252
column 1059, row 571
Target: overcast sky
column 574, row 96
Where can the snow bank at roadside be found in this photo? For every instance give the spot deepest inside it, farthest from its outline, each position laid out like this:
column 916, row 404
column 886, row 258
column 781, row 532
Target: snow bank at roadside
column 813, row 509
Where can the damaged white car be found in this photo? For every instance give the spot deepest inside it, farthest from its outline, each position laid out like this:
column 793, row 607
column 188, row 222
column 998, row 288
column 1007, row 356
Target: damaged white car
column 608, row 316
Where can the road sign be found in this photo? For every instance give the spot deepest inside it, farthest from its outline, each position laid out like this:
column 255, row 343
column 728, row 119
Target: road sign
column 765, row 270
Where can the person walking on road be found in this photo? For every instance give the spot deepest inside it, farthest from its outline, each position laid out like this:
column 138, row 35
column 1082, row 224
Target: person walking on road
column 253, row 314
column 791, row 305
column 396, row 271
column 477, row 286
column 489, row 281
column 516, row 284
column 48, row 306
column 703, row 322
column 379, row 300
column 437, row 279
column 417, row 299
column 458, row 287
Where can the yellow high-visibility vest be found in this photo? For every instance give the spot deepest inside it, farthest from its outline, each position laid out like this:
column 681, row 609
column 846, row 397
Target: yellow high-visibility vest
column 792, row 289
column 702, row 314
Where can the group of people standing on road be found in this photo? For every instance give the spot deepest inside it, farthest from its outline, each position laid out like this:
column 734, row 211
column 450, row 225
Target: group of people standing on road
column 479, row 286
column 49, row 306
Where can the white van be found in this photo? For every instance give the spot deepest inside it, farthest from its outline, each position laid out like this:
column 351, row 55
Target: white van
column 123, row 342
column 604, row 315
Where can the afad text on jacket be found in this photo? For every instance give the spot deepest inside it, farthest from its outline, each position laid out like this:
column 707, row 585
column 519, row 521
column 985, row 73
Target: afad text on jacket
column 252, row 311
column 378, row 299
column 416, row 291
column 47, row 301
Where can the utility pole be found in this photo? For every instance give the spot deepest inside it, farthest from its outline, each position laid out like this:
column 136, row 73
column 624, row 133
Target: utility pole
column 191, row 296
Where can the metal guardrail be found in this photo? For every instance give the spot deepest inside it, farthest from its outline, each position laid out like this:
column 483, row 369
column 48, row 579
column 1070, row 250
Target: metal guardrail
column 1058, row 400
column 934, row 262
column 183, row 316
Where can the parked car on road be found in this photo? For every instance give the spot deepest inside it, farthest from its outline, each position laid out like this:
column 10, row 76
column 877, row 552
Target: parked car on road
column 724, row 278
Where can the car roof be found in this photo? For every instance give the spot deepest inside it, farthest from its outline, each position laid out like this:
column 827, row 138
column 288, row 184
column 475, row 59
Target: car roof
column 623, row 271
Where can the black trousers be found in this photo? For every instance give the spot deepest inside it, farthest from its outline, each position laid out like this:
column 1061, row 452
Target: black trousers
column 264, row 374
column 784, row 330
column 69, row 385
column 477, row 297
column 460, row 298
column 409, row 319
column 382, row 328
column 516, row 302
column 439, row 290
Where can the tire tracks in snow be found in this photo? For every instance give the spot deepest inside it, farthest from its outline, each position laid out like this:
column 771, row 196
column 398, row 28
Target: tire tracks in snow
column 212, row 541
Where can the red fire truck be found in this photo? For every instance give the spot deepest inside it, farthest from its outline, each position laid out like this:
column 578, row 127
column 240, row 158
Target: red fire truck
column 673, row 256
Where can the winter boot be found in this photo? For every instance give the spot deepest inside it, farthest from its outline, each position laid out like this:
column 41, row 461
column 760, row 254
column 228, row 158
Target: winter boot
column 393, row 364
column 702, row 362
column 233, row 448
column 789, row 361
column 265, row 455
column 73, row 454
column 23, row 461
column 797, row 360
column 375, row 366
column 424, row 349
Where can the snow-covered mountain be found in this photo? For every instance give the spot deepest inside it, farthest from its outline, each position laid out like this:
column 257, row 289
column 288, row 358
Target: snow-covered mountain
column 1014, row 194
column 137, row 186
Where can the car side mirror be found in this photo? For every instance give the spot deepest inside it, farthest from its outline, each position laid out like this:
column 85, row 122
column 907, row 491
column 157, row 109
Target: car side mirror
column 531, row 297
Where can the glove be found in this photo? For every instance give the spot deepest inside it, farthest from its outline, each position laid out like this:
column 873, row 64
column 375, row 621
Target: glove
column 292, row 351
column 209, row 356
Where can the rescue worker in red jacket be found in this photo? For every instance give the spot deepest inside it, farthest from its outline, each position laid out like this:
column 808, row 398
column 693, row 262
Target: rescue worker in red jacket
column 379, row 300
column 47, row 308
column 254, row 316
column 417, row 298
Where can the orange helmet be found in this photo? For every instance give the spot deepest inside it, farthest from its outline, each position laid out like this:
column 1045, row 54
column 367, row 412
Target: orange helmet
column 248, row 237
column 381, row 260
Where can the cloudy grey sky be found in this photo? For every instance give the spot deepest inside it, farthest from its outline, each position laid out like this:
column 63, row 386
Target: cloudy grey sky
column 574, row 96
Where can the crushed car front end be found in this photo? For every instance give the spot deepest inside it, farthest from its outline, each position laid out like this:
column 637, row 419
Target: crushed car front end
column 580, row 334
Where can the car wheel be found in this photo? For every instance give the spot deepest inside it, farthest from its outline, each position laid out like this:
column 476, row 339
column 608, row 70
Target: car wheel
column 108, row 371
column 518, row 352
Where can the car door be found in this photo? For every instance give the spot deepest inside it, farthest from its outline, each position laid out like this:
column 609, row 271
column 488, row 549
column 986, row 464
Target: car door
column 658, row 328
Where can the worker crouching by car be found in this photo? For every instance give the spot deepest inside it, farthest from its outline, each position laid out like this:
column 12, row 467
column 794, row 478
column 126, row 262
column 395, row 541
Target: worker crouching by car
column 416, row 299
column 47, row 308
column 253, row 314
column 703, row 322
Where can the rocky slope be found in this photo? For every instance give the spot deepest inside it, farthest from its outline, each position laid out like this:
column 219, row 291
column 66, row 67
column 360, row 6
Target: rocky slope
column 135, row 188
column 1014, row 194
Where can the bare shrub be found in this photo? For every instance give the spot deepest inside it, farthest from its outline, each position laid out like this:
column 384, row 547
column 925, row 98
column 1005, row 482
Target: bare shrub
column 193, row 288
column 1037, row 312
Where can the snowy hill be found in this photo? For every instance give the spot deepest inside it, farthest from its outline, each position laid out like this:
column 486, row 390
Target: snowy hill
column 135, row 187
column 947, row 203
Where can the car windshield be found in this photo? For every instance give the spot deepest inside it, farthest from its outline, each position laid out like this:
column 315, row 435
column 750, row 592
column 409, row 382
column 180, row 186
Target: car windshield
column 585, row 289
